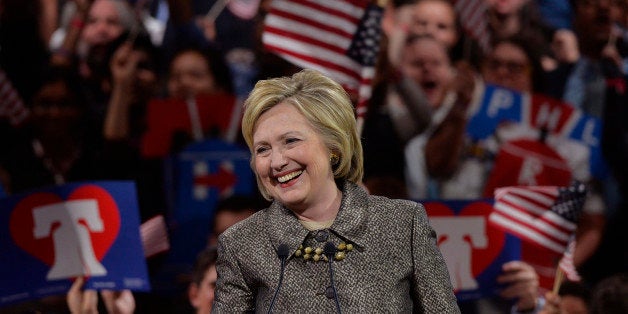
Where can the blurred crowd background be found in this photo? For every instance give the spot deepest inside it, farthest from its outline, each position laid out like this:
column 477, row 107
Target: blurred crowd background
column 81, row 82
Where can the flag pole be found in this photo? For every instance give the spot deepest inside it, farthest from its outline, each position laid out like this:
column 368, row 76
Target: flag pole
column 216, row 9
column 360, row 119
column 558, row 279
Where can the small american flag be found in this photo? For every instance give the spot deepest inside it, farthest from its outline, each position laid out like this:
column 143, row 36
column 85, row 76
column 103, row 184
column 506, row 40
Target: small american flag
column 154, row 235
column 472, row 16
column 339, row 38
column 566, row 264
column 11, row 105
column 544, row 215
column 244, row 9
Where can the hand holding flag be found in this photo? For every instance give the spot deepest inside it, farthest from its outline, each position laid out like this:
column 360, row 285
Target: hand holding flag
column 545, row 216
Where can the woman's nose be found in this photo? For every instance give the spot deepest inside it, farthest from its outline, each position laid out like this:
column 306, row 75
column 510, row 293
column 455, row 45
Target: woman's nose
column 277, row 160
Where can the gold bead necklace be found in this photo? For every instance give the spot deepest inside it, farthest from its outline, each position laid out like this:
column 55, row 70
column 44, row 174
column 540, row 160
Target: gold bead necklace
column 316, row 254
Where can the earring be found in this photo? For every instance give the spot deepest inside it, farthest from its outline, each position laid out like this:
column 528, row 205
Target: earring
column 334, row 159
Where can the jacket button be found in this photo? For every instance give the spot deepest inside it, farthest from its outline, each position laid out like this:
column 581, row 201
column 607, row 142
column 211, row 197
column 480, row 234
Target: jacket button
column 330, row 293
column 322, row 235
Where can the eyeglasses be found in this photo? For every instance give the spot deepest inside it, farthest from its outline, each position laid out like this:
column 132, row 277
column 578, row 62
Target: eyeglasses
column 512, row 67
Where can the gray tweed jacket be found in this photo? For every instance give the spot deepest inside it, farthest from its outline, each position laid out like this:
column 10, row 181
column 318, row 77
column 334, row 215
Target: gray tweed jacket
column 394, row 265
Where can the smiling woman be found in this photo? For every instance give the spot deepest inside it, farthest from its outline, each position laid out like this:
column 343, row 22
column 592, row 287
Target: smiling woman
column 338, row 248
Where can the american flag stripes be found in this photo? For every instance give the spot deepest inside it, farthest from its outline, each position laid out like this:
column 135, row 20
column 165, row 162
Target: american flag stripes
column 320, row 35
column 11, row 105
column 544, row 215
column 472, row 16
column 154, row 235
column 566, row 264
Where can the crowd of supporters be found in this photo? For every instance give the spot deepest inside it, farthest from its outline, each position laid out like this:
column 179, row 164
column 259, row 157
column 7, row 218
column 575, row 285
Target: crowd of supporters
column 77, row 79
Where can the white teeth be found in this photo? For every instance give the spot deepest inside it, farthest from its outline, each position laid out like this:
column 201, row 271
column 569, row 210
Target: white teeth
column 289, row 176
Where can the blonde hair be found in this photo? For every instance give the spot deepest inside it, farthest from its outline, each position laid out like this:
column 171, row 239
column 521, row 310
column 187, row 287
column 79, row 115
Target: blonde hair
column 324, row 103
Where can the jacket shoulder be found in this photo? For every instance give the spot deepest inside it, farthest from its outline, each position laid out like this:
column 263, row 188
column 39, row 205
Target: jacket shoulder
column 250, row 227
column 400, row 206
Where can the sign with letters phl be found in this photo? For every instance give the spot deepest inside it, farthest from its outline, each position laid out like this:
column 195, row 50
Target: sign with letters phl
column 536, row 111
column 50, row 236
column 474, row 250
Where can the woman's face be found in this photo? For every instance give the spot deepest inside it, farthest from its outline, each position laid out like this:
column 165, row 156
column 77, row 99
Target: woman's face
column 103, row 23
column 190, row 75
column 55, row 111
column 291, row 160
column 509, row 67
column 426, row 62
column 436, row 19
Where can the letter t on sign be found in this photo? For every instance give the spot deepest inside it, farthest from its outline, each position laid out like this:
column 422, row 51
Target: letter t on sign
column 70, row 223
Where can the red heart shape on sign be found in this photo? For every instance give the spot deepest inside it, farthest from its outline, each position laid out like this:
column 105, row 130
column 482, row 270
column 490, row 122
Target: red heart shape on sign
column 481, row 257
column 22, row 223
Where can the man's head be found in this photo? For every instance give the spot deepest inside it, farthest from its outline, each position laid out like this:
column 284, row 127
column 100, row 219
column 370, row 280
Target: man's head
column 592, row 23
column 201, row 289
column 231, row 210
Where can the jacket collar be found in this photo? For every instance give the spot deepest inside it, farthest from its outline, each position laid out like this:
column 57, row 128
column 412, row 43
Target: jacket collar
column 283, row 227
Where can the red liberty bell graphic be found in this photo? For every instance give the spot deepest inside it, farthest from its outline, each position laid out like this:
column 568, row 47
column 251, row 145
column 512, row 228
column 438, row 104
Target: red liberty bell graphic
column 73, row 235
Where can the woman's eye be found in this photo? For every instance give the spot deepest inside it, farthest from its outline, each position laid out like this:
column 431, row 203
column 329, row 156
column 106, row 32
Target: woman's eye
column 291, row 140
column 261, row 150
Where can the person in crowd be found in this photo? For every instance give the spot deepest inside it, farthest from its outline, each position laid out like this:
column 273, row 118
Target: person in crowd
column 402, row 109
column 581, row 82
column 307, row 158
column 508, row 18
column 414, row 72
column 198, row 23
column 610, row 295
column 612, row 255
column 584, row 84
column 432, row 18
column 193, row 72
column 514, row 64
column 522, row 18
column 81, row 300
column 54, row 146
column 426, row 62
column 106, row 21
column 231, row 210
column 443, row 163
column 128, row 75
column 132, row 80
column 200, row 74
column 573, row 298
column 91, row 23
column 201, row 289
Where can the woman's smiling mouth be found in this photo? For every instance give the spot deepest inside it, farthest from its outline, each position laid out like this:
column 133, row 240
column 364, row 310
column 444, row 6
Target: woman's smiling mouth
column 287, row 177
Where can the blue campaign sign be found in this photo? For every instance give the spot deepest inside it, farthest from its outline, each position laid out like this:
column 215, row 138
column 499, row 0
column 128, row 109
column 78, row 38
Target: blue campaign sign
column 537, row 111
column 50, row 236
column 497, row 105
column 202, row 174
column 474, row 250
column 207, row 172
